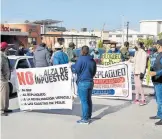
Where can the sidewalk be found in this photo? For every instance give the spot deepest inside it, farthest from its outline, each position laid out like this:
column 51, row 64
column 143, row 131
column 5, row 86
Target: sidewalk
column 113, row 119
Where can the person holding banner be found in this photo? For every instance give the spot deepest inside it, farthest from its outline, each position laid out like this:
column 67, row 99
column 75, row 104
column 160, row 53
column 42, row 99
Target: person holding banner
column 139, row 61
column 70, row 52
column 113, row 49
column 124, row 52
column 156, row 73
column 96, row 55
column 85, row 68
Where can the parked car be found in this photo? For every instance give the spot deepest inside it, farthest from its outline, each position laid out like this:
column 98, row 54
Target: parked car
column 17, row 62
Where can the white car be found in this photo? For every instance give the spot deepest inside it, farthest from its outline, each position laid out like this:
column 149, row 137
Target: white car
column 17, row 62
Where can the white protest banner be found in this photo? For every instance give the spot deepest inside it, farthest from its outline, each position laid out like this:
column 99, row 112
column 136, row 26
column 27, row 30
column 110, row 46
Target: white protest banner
column 113, row 81
column 45, row 88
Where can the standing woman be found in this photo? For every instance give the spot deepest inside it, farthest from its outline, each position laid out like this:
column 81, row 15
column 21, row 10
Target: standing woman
column 140, row 61
column 85, row 68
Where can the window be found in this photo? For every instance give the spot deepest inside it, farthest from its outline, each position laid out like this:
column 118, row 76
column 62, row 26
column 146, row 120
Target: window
column 140, row 36
column 118, row 36
column 32, row 40
column 110, row 35
column 22, row 64
column 31, row 62
column 130, row 36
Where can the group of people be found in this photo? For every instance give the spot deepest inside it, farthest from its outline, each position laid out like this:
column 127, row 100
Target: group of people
column 43, row 58
column 85, row 68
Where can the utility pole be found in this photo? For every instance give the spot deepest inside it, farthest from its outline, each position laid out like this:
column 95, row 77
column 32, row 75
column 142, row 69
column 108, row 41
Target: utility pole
column 127, row 30
column 122, row 30
column 102, row 30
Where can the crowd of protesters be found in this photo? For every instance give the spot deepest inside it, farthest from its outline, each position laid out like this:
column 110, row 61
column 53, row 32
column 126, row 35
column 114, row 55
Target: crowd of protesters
column 85, row 68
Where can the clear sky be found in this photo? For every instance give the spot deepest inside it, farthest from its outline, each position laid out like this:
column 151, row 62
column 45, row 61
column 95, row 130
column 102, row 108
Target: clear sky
column 83, row 13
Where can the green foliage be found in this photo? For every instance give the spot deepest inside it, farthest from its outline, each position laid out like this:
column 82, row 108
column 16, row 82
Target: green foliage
column 148, row 42
column 160, row 35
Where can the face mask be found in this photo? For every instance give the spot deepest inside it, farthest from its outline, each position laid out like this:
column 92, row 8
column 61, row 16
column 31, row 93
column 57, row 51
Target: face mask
column 113, row 49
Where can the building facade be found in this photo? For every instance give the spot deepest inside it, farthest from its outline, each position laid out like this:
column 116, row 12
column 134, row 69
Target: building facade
column 153, row 27
column 120, row 36
column 23, row 33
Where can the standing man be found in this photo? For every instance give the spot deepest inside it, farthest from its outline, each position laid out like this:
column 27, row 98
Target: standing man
column 151, row 61
column 42, row 56
column 59, row 57
column 96, row 55
column 156, row 73
column 30, row 52
column 125, row 52
column 4, row 77
column 70, row 52
column 85, row 68
column 20, row 51
column 113, row 49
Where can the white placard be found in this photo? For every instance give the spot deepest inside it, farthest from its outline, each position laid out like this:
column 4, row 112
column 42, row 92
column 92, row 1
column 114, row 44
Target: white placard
column 45, row 88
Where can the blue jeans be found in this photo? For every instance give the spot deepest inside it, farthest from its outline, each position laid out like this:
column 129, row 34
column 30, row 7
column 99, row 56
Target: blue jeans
column 85, row 95
column 158, row 90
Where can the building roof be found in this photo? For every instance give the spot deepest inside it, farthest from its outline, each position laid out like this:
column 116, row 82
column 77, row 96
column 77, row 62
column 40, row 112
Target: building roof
column 150, row 21
column 130, row 32
column 14, row 33
column 47, row 22
column 30, row 23
column 69, row 35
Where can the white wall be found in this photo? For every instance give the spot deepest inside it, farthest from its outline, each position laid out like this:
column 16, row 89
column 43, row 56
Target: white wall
column 79, row 41
column 149, row 28
column 132, row 38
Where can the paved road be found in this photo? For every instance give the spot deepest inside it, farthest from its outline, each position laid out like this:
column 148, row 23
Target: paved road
column 113, row 119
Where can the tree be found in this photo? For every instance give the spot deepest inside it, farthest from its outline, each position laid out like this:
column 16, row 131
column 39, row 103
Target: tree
column 160, row 35
column 148, row 42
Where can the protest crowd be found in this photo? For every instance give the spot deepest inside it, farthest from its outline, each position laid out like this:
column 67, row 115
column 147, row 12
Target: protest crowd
column 85, row 67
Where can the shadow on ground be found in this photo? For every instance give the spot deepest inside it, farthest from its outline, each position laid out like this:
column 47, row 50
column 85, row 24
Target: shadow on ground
column 76, row 111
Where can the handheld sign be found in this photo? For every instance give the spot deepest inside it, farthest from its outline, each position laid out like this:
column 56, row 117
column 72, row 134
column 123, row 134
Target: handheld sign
column 109, row 59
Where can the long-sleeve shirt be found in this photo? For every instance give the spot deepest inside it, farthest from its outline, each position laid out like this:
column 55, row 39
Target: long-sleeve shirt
column 85, row 68
column 159, row 73
column 5, row 70
column 59, row 57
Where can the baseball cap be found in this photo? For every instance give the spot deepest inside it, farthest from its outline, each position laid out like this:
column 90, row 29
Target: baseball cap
column 159, row 42
column 3, row 45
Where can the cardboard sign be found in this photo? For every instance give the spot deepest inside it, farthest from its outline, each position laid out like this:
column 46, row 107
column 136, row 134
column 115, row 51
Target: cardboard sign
column 109, row 59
